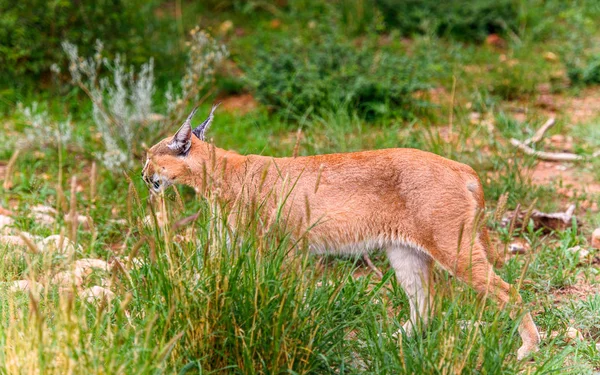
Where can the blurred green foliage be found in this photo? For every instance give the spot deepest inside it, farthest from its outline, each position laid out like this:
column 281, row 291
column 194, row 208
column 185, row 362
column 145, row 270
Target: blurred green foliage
column 300, row 77
column 470, row 21
column 586, row 72
column 31, row 32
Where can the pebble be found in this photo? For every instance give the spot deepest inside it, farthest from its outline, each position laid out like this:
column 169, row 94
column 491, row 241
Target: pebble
column 43, row 219
column 583, row 253
column 96, row 293
column 91, row 263
column 516, row 248
column 12, row 240
column 596, row 238
column 59, row 244
column 67, row 279
column 41, row 209
column 573, row 334
column 81, row 220
column 6, row 221
column 25, row 286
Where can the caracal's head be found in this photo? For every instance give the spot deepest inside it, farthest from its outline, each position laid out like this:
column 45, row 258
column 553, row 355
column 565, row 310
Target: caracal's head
column 169, row 161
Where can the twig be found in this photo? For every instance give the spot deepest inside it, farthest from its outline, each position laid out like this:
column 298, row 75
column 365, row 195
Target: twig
column 551, row 156
column 373, row 268
column 539, row 134
column 544, row 155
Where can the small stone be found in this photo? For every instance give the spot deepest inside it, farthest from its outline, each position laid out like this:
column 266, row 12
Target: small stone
column 583, row 253
column 68, row 279
column 40, row 208
column 596, row 238
column 573, row 334
column 550, row 56
column 59, row 244
column 516, row 248
column 25, row 286
column 12, row 241
column 43, row 219
column 119, row 222
column 96, row 293
column 91, row 263
column 226, row 27
column 82, row 220
column 6, row 221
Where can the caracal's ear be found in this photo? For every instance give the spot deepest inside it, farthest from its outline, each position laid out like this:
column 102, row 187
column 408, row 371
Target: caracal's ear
column 182, row 140
column 200, row 131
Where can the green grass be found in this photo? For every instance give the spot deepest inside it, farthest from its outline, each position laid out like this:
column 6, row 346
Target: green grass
column 188, row 302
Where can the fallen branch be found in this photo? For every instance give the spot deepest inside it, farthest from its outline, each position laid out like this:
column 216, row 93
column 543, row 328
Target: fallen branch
column 541, row 131
column 545, row 155
column 551, row 156
column 542, row 220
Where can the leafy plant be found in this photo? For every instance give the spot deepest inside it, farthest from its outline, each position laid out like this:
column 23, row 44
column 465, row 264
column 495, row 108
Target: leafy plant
column 123, row 107
column 585, row 72
column 299, row 77
column 31, row 32
column 43, row 131
column 469, row 21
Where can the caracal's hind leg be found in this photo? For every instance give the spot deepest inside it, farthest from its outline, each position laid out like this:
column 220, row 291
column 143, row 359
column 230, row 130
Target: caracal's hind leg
column 473, row 267
column 413, row 270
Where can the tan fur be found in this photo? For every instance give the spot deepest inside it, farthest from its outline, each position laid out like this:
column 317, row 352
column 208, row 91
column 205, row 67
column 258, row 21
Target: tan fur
column 417, row 206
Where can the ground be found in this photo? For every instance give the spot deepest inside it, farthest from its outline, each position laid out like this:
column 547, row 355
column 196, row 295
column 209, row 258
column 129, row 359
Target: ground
column 97, row 275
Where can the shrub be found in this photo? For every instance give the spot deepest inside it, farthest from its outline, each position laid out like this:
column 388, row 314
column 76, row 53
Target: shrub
column 31, row 32
column 301, row 77
column 42, row 131
column 123, row 107
column 461, row 20
column 586, row 72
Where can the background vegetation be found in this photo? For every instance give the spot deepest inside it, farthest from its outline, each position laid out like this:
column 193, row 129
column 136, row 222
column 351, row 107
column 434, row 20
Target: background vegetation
column 455, row 78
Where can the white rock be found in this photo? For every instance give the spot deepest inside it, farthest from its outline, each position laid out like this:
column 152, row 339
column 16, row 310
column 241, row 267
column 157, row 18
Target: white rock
column 67, row 279
column 516, row 248
column 596, row 238
column 43, row 219
column 17, row 240
column 583, row 253
column 12, row 240
column 6, row 221
column 41, row 209
column 91, row 263
column 573, row 334
column 81, row 220
column 96, row 293
column 118, row 221
column 25, row 286
column 58, row 244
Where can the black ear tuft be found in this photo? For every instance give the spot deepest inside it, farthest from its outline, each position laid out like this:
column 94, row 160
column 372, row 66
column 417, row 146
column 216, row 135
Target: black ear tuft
column 201, row 129
column 182, row 140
